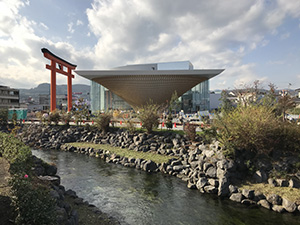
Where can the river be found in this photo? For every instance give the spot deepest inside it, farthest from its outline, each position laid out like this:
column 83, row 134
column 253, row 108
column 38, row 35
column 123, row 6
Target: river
column 139, row 198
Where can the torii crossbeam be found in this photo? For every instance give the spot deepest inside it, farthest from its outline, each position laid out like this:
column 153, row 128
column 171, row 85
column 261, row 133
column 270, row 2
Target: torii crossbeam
column 58, row 65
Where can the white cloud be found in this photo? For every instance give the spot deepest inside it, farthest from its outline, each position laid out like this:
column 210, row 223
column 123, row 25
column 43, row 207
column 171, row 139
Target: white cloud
column 211, row 34
column 79, row 22
column 44, row 26
column 201, row 31
column 70, row 28
column 21, row 60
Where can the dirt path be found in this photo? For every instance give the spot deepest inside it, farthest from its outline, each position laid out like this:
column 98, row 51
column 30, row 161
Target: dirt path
column 6, row 211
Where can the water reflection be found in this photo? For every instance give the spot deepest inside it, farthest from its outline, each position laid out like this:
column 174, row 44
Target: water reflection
column 136, row 197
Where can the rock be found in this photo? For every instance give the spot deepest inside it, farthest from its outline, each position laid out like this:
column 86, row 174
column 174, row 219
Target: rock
column 191, row 185
column 294, row 183
column 78, row 201
column 248, row 193
column 177, row 168
column 55, row 180
column 288, row 205
column 54, row 194
column 282, row 182
column 213, row 182
column 278, row 208
column 221, row 173
column 274, row 199
column 236, row 197
column 232, row 189
column 264, row 203
column 150, row 166
column 223, row 189
column 211, row 172
column 208, row 153
column 176, row 163
column 71, row 193
column 201, row 182
column 258, row 196
column 260, row 176
column 62, row 215
column 210, row 189
column 207, row 165
column 272, row 182
column 248, row 202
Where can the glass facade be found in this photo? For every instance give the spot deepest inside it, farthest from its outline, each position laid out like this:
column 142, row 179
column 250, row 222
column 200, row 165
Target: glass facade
column 194, row 100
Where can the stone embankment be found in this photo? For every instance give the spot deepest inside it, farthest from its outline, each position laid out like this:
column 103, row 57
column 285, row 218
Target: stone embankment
column 65, row 213
column 202, row 166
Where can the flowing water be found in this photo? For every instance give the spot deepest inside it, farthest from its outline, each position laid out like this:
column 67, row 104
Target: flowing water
column 139, row 198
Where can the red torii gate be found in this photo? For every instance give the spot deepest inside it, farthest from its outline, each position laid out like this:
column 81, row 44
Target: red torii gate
column 61, row 63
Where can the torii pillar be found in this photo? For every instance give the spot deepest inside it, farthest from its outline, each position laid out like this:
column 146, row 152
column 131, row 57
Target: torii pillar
column 58, row 65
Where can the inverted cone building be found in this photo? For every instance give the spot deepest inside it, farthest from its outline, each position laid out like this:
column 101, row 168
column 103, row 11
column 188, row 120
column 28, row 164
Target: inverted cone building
column 138, row 84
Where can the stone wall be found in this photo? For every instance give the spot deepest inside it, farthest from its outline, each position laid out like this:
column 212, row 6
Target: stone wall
column 202, row 166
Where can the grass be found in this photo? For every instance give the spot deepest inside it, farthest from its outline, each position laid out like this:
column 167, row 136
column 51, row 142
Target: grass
column 292, row 194
column 125, row 152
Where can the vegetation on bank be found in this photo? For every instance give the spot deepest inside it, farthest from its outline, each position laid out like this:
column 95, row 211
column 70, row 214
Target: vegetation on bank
column 30, row 197
column 256, row 125
column 124, row 152
column 292, row 194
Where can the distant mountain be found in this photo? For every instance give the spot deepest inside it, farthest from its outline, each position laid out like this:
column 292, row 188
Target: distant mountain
column 44, row 89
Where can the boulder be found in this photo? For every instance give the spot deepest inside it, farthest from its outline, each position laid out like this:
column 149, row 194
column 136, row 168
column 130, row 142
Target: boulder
column 264, row 203
column 177, row 168
column 223, row 189
column 294, row 183
column 289, row 206
column 191, row 185
column 206, row 166
column 282, row 182
column 236, row 197
column 260, row 176
column 150, row 166
column 272, row 182
column 208, row 153
column 258, row 196
column 278, row 208
column 232, row 189
column 201, row 182
column 274, row 199
column 211, row 172
column 248, row 193
column 213, row 182
column 248, row 202
column 210, row 189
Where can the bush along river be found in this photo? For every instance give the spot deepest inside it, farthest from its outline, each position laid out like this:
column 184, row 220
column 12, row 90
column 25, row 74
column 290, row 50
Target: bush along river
column 136, row 197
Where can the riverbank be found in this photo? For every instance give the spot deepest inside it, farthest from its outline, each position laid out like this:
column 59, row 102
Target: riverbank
column 30, row 191
column 6, row 210
column 202, row 166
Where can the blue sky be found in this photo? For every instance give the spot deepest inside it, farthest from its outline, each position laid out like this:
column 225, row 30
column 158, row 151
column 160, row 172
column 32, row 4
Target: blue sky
column 251, row 40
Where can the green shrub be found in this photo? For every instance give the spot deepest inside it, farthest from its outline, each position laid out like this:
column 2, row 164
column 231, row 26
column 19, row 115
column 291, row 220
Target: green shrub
column 54, row 117
column 208, row 134
column 169, row 123
column 31, row 198
column 3, row 116
column 149, row 115
column 66, row 117
column 256, row 128
column 33, row 201
column 130, row 126
column 103, row 120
